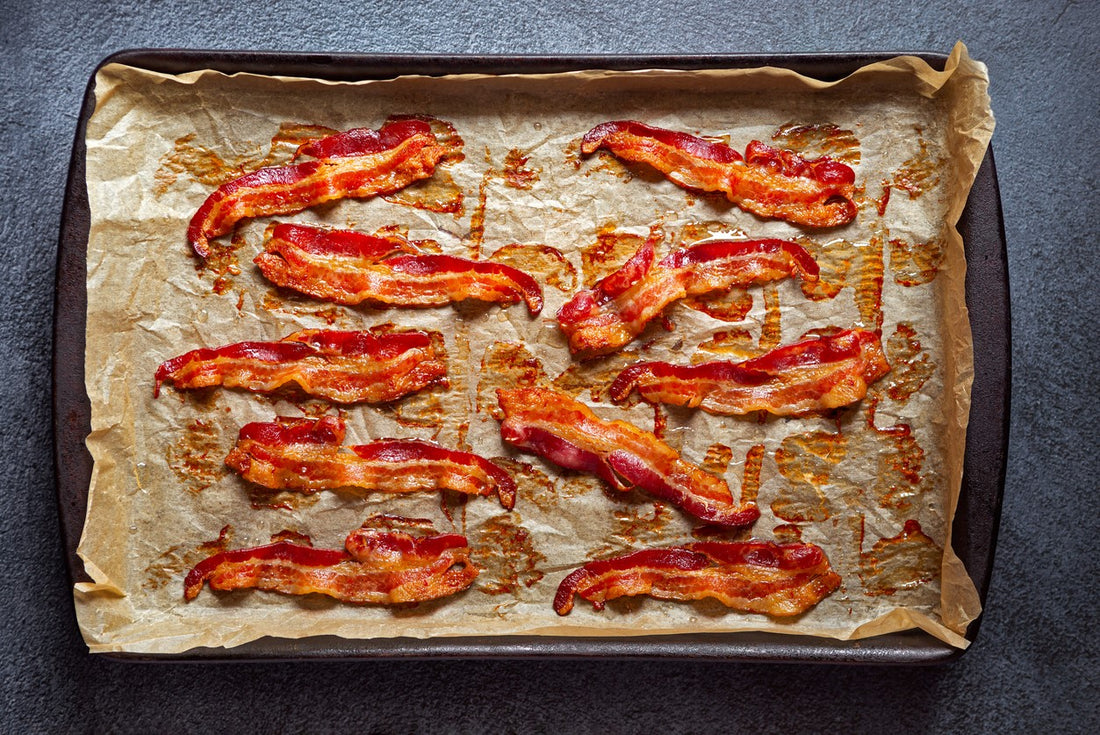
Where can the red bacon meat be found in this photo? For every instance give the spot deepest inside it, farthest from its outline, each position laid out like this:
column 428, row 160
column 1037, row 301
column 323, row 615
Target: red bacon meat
column 356, row 164
column 811, row 375
column 306, row 455
column 345, row 367
column 780, row 580
column 377, row 566
column 570, row 435
column 766, row 181
column 601, row 319
column 352, row 267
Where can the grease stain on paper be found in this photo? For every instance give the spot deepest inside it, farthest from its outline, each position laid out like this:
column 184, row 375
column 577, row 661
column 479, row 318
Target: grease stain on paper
column 594, row 376
column 845, row 264
column 610, row 251
column 546, row 264
column 507, row 556
column 506, row 365
column 820, row 139
column 910, row 368
column 807, row 461
column 212, row 169
column 914, row 264
column 635, row 528
column 901, row 562
column 197, row 457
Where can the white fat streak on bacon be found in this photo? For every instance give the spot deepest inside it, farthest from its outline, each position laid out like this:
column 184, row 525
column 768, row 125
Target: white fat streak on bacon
column 792, row 389
column 405, row 279
column 597, row 323
column 426, row 571
column 290, row 189
column 621, row 453
column 344, row 378
column 767, row 182
column 310, row 466
column 779, row 590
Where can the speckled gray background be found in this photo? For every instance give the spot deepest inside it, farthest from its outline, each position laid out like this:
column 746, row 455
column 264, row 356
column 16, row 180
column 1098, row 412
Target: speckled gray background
column 1033, row 668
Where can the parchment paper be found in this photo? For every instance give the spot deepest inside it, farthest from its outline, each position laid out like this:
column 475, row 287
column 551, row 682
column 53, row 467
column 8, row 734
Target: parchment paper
column 850, row 482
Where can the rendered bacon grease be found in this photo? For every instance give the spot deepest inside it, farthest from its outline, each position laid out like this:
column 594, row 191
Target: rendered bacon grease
column 766, row 181
column 350, row 267
column 601, row 319
column 378, row 566
column 811, row 375
column 570, row 435
column 306, row 455
column 355, row 164
column 345, row 367
column 780, row 580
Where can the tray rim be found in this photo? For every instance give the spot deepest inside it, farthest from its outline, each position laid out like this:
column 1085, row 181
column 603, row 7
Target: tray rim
column 983, row 482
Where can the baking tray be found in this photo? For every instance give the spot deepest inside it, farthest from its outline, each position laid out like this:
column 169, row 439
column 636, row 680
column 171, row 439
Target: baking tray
column 974, row 532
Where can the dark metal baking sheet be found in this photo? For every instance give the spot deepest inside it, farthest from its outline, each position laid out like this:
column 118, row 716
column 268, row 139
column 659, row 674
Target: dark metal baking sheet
column 974, row 533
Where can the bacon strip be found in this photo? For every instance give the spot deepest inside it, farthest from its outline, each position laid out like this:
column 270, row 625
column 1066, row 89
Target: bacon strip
column 345, row 367
column 601, row 319
column 569, row 434
column 306, row 455
column 356, row 164
column 780, row 580
column 766, row 181
column 811, row 375
column 351, row 267
column 377, row 566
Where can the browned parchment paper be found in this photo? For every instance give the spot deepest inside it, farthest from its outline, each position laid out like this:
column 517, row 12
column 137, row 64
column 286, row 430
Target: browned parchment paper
column 875, row 486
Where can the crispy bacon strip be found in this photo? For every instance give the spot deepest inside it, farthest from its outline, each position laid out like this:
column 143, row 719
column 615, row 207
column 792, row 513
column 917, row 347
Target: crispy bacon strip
column 356, row 164
column 351, row 267
column 601, row 319
column 377, row 566
column 306, row 455
column 345, row 367
column 811, row 375
column 780, row 580
column 569, row 434
column 766, row 181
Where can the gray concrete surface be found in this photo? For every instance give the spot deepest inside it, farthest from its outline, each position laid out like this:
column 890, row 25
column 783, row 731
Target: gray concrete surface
column 1033, row 668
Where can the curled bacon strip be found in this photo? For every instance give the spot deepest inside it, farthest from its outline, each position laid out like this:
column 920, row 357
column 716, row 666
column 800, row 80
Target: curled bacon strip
column 306, row 455
column 766, row 181
column 601, row 319
column 345, row 367
column 569, row 434
column 377, row 566
column 355, row 164
column 811, row 375
column 780, row 580
column 351, row 267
